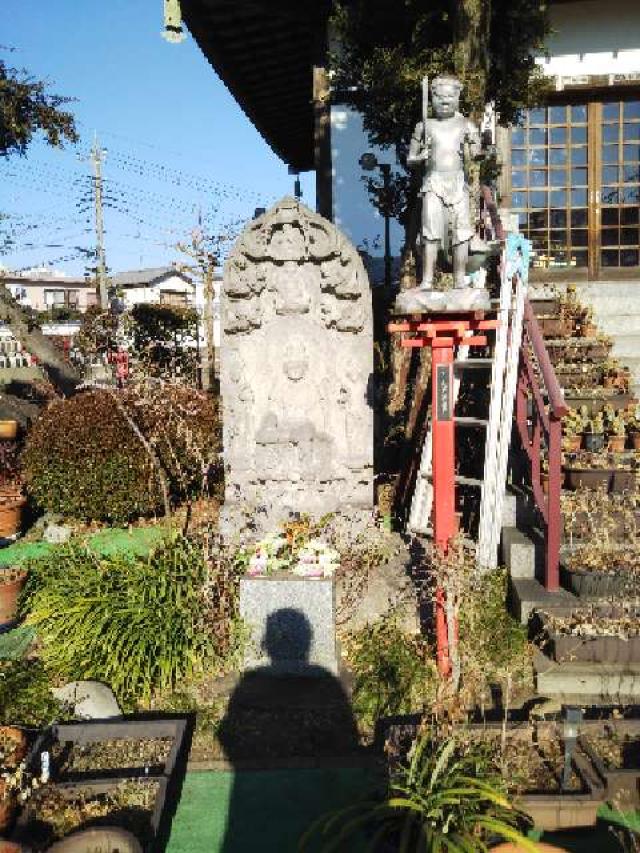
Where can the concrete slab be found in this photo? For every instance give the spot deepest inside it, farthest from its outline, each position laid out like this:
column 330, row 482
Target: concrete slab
column 605, row 682
column 527, row 594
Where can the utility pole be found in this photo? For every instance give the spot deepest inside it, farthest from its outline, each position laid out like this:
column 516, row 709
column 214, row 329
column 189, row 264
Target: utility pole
column 96, row 161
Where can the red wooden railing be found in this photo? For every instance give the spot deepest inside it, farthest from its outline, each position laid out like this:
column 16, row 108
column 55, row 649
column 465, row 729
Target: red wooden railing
column 540, row 422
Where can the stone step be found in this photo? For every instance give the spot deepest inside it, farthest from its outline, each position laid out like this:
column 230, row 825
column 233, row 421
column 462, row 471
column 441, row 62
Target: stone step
column 518, row 553
column 626, row 345
column 616, row 324
column 604, row 681
column 528, row 594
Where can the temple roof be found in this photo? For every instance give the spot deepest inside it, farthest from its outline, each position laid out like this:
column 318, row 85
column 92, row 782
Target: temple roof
column 264, row 51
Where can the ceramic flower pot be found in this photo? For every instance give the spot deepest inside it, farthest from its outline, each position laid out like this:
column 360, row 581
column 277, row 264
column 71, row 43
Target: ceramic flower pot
column 616, row 443
column 573, row 443
column 635, row 439
column 12, row 581
column 13, row 746
column 8, row 429
column 11, row 507
column 7, row 807
column 106, row 838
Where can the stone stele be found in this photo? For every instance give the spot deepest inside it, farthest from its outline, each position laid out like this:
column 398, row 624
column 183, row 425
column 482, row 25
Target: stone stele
column 292, row 626
column 296, row 366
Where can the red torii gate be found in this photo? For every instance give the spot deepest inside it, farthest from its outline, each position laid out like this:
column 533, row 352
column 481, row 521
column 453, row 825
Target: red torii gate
column 443, row 332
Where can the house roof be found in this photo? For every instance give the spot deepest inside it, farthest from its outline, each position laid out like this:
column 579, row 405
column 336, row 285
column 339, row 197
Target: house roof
column 264, row 51
column 46, row 280
column 139, row 278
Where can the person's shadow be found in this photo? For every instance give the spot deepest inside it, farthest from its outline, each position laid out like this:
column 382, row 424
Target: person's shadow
column 286, row 716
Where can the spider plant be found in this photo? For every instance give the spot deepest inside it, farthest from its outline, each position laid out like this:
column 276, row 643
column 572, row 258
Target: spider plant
column 445, row 800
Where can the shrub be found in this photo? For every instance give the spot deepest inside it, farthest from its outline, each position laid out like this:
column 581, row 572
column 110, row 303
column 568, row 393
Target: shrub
column 83, row 460
column 183, row 426
column 164, row 338
column 25, row 694
column 447, row 799
column 392, row 672
column 135, row 623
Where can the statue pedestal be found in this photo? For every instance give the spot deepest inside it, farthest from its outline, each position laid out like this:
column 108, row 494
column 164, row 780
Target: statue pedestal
column 292, row 624
column 419, row 301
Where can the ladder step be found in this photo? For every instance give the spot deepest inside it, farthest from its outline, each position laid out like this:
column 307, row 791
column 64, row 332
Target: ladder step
column 468, row 481
column 460, row 480
column 471, row 422
column 473, row 362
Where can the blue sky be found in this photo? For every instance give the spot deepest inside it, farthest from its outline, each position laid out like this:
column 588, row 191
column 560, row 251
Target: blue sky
column 177, row 143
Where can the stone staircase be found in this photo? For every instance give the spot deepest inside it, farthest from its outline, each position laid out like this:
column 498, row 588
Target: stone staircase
column 616, row 308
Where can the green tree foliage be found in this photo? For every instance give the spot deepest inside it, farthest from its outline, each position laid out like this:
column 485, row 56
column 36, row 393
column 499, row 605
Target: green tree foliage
column 164, row 339
column 82, row 460
column 386, row 50
column 25, row 108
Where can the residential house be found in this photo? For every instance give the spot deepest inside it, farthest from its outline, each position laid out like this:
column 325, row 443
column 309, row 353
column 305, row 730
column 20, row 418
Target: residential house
column 44, row 289
column 168, row 286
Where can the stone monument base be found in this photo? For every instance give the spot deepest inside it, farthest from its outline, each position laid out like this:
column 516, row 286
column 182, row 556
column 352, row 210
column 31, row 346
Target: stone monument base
column 292, row 625
column 420, row 301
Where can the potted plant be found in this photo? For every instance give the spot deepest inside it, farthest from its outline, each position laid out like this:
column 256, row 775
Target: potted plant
column 573, row 425
column 633, row 421
column 594, row 433
column 587, row 326
column 617, row 434
column 12, row 580
column 11, row 506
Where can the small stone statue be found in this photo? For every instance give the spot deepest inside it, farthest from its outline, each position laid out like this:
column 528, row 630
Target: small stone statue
column 438, row 144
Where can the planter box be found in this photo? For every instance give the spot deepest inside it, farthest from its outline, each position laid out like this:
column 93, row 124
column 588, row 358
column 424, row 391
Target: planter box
column 169, row 775
column 23, row 832
column 620, row 526
column 552, row 327
column 622, row 783
column 545, row 307
column 593, row 584
column 549, row 811
column 589, row 478
column 597, row 649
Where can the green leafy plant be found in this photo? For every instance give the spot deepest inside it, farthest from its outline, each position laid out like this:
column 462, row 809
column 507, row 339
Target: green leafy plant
column 25, row 694
column 393, row 672
column 136, row 623
column 164, row 339
column 445, row 800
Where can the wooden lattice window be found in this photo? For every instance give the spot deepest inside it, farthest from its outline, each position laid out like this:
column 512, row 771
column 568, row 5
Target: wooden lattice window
column 575, row 185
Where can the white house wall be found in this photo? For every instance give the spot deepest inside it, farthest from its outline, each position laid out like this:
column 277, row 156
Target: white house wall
column 353, row 211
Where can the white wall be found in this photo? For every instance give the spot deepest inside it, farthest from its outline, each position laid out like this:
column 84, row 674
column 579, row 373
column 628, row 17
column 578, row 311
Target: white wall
column 592, row 37
column 353, row 211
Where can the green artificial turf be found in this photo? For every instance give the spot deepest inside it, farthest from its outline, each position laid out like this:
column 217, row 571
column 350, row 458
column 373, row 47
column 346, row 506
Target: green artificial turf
column 135, row 541
column 268, row 809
